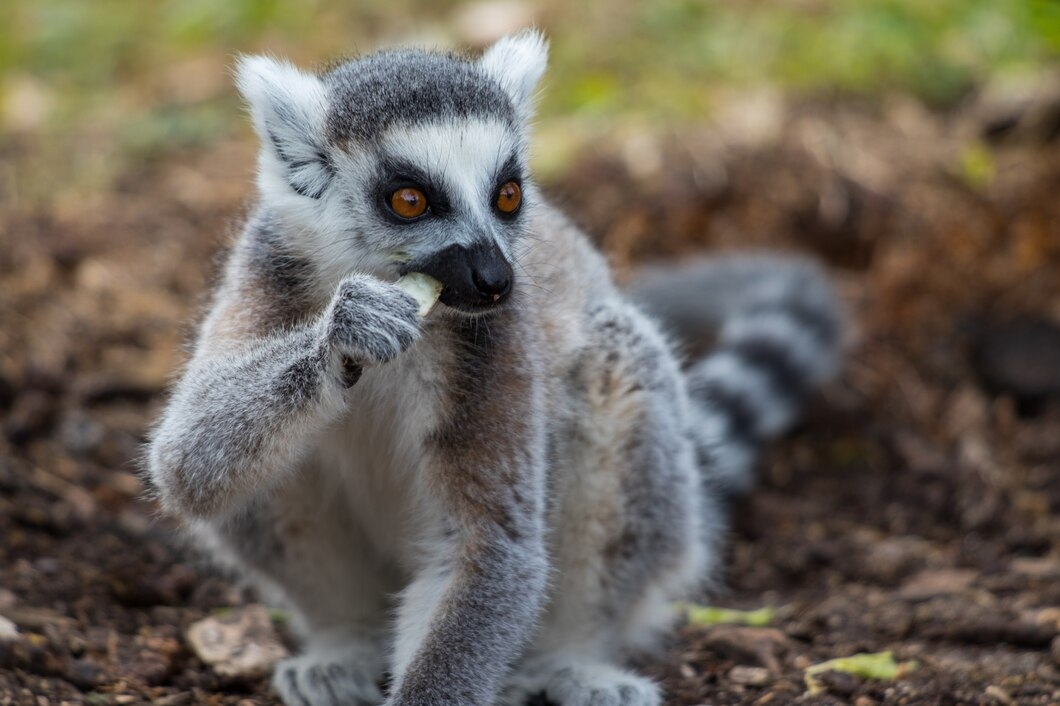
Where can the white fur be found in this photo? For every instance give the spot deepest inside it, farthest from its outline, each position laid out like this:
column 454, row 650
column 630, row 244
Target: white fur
column 283, row 453
column 288, row 107
column 420, row 603
column 569, row 679
column 465, row 155
column 817, row 361
column 517, row 63
column 343, row 672
column 376, row 454
column 733, row 373
column 732, row 459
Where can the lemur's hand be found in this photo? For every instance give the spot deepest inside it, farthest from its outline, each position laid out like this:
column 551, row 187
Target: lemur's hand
column 370, row 321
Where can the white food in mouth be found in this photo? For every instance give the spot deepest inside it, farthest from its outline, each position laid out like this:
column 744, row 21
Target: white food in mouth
column 423, row 288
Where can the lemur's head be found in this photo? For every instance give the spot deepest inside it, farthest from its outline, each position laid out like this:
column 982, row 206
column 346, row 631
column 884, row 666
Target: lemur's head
column 402, row 160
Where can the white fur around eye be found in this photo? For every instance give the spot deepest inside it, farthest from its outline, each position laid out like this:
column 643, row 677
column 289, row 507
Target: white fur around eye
column 517, row 63
column 464, row 155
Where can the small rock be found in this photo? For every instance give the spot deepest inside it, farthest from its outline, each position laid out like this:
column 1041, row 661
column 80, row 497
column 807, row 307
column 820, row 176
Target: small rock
column 888, row 560
column 756, row 646
column 953, row 620
column 749, row 676
column 839, row 683
column 137, row 385
column 150, row 667
column 76, row 644
column 1036, row 567
column 134, row 589
column 125, row 484
column 919, row 454
column 936, row 583
column 30, row 416
column 48, row 566
column 241, row 644
column 8, row 630
column 30, row 618
column 79, row 433
column 1019, row 358
column 83, row 674
column 1048, row 617
column 996, row 695
column 1055, row 650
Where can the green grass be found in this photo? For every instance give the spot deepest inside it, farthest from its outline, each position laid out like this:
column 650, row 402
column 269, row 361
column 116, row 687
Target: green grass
column 665, row 56
column 143, row 78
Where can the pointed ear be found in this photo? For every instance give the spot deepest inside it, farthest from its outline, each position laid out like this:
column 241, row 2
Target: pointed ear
column 517, row 62
column 289, row 108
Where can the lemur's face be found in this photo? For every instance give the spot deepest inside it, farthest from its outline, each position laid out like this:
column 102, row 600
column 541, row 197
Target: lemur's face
column 403, row 161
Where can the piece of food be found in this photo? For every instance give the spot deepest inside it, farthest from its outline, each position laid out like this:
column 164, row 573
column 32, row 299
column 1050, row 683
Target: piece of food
column 879, row 665
column 423, row 288
column 710, row 615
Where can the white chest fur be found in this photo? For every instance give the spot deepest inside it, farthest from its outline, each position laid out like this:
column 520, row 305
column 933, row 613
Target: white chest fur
column 375, row 453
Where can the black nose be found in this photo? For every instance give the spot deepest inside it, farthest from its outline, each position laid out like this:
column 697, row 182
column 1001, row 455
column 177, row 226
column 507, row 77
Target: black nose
column 493, row 280
column 472, row 276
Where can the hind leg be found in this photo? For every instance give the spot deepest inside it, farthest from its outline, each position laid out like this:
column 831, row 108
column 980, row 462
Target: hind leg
column 299, row 546
column 627, row 521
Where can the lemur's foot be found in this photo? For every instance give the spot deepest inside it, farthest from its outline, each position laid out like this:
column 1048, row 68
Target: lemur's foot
column 328, row 678
column 589, row 684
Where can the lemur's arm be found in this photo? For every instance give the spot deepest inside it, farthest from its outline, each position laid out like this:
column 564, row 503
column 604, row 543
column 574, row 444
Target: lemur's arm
column 467, row 616
column 256, row 389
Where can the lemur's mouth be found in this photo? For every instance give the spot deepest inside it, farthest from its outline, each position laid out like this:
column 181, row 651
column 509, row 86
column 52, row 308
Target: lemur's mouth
column 475, row 279
column 455, row 300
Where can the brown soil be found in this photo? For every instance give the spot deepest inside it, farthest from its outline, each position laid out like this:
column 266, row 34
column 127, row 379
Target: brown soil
column 916, row 508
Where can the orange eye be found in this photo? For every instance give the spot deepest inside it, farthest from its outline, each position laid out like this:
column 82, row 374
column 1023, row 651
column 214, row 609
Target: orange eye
column 509, row 197
column 408, row 202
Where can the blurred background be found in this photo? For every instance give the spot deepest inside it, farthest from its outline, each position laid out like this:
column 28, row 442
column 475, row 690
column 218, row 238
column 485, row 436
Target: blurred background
column 912, row 146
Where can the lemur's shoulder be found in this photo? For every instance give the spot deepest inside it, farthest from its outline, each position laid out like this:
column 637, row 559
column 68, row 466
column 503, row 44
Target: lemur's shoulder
column 566, row 276
column 265, row 285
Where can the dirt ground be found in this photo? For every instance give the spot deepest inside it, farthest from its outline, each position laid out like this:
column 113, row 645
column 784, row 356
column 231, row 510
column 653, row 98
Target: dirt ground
column 915, row 509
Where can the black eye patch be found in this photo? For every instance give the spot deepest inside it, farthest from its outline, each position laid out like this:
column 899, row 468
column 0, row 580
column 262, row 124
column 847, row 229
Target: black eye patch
column 394, row 175
column 511, row 170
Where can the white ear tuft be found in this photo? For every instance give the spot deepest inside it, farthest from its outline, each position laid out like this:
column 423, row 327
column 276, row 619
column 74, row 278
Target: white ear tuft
column 517, row 62
column 289, row 107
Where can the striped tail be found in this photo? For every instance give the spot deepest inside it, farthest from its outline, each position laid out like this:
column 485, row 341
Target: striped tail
column 778, row 335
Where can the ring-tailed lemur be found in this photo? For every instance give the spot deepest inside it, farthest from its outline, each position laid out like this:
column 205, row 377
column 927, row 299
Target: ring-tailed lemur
column 516, row 488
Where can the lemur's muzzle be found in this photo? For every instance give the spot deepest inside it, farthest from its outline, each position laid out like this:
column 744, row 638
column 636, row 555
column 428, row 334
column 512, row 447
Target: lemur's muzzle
column 474, row 277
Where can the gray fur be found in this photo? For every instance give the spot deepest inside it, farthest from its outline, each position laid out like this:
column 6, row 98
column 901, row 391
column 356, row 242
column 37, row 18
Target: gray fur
column 239, row 415
column 505, row 503
column 777, row 326
column 372, row 94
